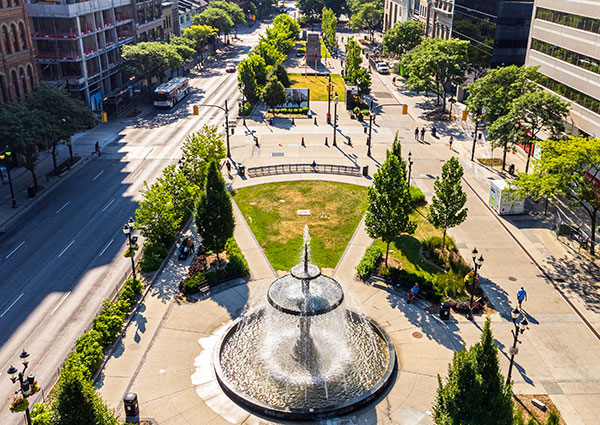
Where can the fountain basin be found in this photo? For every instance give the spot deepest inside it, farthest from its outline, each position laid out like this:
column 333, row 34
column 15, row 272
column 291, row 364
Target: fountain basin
column 280, row 387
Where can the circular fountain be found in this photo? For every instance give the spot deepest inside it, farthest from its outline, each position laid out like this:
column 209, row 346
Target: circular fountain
column 304, row 355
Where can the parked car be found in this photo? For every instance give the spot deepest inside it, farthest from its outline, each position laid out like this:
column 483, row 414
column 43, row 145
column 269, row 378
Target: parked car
column 230, row 67
column 382, row 68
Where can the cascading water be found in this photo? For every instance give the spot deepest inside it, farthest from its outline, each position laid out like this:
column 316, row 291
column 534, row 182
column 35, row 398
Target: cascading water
column 303, row 355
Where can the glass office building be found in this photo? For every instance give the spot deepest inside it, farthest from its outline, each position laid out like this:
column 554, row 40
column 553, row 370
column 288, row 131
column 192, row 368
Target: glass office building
column 498, row 30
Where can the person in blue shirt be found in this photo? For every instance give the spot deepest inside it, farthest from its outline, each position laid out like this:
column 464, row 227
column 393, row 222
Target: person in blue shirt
column 521, row 296
column 413, row 293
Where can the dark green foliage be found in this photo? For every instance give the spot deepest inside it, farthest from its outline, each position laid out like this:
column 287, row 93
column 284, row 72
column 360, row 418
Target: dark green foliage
column 108, row 323
column 407, row 279
column 273, row 93
column 397, row 146
column 76, row 402
column 153, row 253
column 368, row 263
column 191, row 284
column 280, row 72
column 214, row 214
column 473, row 393
column 402, row 37
column 237, row 265
column 89, row 349
column 417, row 197
column 389, row 203
column 216, row 18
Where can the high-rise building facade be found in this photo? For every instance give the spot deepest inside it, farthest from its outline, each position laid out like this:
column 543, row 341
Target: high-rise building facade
column 149, row 20
column 436, row 15
column 565, row 44
column 78, row 44
column 18, row 72
column 395, row 11
column 497, row 29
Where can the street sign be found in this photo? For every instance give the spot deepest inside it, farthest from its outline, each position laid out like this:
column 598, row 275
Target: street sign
column 514, row 351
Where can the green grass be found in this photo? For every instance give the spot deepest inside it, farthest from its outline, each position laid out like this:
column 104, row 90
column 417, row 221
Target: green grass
column 336, row 210
column 406, row 248
column 318, row 85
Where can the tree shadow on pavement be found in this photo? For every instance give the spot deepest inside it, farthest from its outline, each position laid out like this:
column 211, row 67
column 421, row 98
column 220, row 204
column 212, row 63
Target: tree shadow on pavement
column 234, row 304
column 445, row 333
column 502, row 349
column 498, row 297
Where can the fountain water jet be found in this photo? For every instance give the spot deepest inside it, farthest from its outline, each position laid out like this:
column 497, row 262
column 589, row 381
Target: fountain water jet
column 303, row 355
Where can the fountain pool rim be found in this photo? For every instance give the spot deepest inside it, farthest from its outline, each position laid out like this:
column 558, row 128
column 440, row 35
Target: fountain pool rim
column 303, row 414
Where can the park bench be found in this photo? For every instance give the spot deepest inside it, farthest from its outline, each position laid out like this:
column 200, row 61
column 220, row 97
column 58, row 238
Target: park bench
column 270, row 170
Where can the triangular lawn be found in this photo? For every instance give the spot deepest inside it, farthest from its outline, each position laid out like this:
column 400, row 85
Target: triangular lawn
column 336, row 209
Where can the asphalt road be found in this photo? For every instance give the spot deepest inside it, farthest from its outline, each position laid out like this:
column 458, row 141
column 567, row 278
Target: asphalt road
column 61, row 258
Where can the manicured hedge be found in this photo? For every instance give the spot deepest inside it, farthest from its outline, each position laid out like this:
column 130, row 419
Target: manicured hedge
column 153, row 254
column 368, row 264
column 284, row 111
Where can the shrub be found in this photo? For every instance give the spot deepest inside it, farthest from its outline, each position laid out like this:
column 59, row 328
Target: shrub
column 198, row 265
column 153, row 253
column 41, row 414
column 108, row 322
column 191, row 284
column 449, row 284
column 435, row 242
column 89, row 349
column 463, row 306
column 417, row 197
column 408, row 279
column 237, row 265
column 369, row 261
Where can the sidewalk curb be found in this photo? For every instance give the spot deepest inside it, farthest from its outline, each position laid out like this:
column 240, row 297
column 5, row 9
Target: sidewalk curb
column 44, row 194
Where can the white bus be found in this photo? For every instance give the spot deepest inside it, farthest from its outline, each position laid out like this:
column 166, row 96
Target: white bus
column 168, row 94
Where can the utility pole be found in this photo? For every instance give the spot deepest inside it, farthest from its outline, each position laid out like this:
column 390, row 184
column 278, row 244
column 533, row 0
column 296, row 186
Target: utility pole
column 227, row 128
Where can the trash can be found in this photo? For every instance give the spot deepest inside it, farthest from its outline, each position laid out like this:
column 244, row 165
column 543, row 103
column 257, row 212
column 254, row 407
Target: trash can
column 445, row 311
column 242, row 170
column 366, row 170
column 511, row 169
column 31, row 191
column 130, row 402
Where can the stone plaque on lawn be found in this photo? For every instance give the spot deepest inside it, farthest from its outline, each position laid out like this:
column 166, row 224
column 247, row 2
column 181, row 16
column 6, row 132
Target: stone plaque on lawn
column 303, row 212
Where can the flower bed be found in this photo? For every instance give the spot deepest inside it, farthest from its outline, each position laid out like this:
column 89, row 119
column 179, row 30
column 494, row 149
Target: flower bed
column 289, row 111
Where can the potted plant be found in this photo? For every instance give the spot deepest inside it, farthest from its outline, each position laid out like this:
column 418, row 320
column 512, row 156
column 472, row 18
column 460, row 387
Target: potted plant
column 19, row 404
column 130, row 251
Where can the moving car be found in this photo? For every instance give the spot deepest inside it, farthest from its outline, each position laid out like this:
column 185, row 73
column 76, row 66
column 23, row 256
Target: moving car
column 382, row 68
column 230, row 67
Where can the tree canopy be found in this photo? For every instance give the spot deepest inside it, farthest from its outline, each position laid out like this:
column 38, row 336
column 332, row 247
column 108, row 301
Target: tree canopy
column 402, row 37
column 199, row 149
column 151, row 59
column 389, row 203
column 273, row 94
column 215, row 17
column 329, row 27
column 570, row 168
column 435, row 64
column 447, row 204
column 232, row 9
column 353, row 59
column 199, row 34
column 367, row 17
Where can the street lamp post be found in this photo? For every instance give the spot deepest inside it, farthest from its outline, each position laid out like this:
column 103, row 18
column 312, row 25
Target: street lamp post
column 519, row 329
column 244, row 104
column 26, row 384
column 477, row 262
column 329, row 100
column 371, row 112
column 226, row 110
column 410, row 163
column 5, row 155
column 127, row 230
column 336, row 99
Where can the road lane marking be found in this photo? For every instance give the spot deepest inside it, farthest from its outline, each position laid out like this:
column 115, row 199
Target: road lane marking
column 61, row 208
column 60, row 302
column 67, row 247
column 13, row 303
column 98, row 175
column 14, row 250
column 109, row 204
column 106, row 247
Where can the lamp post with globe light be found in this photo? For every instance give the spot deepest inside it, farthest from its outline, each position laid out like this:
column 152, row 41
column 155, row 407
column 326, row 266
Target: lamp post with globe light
column 477, row 262
column 5, row 155
column 519, row 329
column 132, row 240
column 27, row 385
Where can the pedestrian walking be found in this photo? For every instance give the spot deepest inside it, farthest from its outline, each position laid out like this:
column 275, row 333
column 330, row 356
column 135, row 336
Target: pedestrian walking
column 521, row 296
column 423, row 134
column 228, row 165
column 394, row 80
column 97, row 149
column 413, row 293
column 451, row 141
column 417, row 133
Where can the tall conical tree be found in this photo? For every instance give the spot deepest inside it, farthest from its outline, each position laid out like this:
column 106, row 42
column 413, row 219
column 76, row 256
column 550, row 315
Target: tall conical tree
column 447, row 205
column 389, row 203
column 214, row 214
column 397, row 147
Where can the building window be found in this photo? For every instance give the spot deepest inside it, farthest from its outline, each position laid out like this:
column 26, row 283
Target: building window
column 6, row 39
column 30, row 76
column 23, row 36
column 15, row 82
column 23, row 81
column 577, row 59
column 15, row 38
column 3, row 93
column 569, row 20
column 576, row 96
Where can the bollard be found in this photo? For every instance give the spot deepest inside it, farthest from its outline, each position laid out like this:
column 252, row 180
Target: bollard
column 293, row 121
column 464, row 115
column 349, row 141
column 316, row 121
column 256, row 141
column 404, row 109
column 326, row 143
column 365, row 128
column 196, row 110
column 303, row 142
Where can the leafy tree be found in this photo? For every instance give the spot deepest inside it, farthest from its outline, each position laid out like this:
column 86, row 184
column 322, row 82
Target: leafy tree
column 329, row 27
column 402, row 37
column 364, row 80
column 389, row 203
column 76, row 402
column 353, row 59
column 281, row 74
column 247, row 80
column 251, row 9
column 200, row 149
column 529, row 115
column 310, row 8
column 568, row 168
column 156, row 218
column 435, row 64
column 268, row 51
column 368, row 17
column 199, row 34
column 148, row 59
column 273, row 94
column 214, row 215
column 234, row 11
column 216, row 18
column 174, row 59
column 447, row 204
column 284, row 24
column 490, row 97
column 182, row 190
column 473, row 393
column 58, row 123
column 397, row 147
column 183, row 46
column 259, row 67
